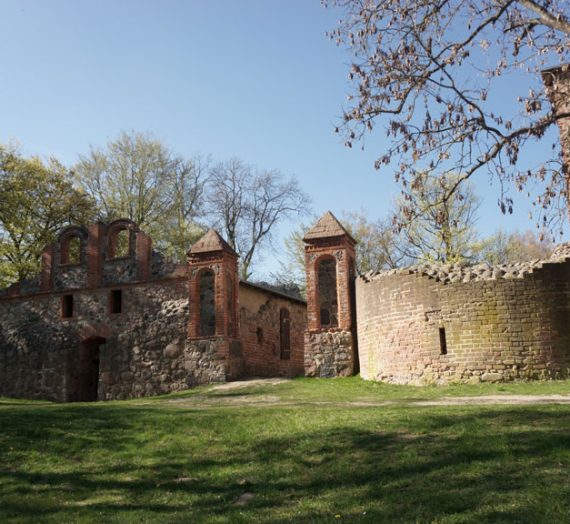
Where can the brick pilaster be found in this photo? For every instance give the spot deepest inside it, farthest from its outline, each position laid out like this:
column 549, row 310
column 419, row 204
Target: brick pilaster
column 95, row 253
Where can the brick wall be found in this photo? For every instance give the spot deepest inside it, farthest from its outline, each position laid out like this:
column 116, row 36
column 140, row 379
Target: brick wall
column 211, row 256
column 330, row 339
column 260, row 333
column 502, row 327
column 557, row 85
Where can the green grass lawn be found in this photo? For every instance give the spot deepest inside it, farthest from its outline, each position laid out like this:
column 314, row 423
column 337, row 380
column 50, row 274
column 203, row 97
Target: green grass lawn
column 307, row 451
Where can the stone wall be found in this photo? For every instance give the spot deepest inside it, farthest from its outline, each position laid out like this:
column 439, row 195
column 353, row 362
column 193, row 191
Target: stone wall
column 68, row 344
column 260, row 332
column 442, row 324
column 145, row 349
column 329, row 354
column 142, row 351
column 99, row 326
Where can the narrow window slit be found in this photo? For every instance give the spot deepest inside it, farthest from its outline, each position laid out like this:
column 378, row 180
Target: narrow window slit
column 67, row 306
column 442, row 341
column 116, row 302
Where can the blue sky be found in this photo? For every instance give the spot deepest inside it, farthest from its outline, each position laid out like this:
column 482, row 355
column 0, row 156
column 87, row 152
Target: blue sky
column 256, row 79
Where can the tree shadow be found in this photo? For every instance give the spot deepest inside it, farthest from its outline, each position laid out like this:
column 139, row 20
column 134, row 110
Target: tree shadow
column 406, row 465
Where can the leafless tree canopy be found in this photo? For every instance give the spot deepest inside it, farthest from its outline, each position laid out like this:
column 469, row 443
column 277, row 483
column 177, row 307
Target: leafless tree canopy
column 429, row 72
column 246, row 204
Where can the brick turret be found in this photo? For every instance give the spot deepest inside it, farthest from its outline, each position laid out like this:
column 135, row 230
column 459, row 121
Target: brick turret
column 330, row 339
column 557, row 84
column 213, row 289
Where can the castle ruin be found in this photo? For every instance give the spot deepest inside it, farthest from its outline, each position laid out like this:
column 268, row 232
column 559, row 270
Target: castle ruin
column 109, row 318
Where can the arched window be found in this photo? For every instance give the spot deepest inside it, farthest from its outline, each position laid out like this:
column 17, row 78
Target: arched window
column 327, row 292
column 71, row 250
column 230, row 305
column 285, row 333
column 207, row 324
column 119, row 243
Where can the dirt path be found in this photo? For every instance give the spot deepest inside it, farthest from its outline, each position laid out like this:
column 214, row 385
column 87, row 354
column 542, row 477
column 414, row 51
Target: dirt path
column 496, row 399
column 239, row 384
column 228, row 394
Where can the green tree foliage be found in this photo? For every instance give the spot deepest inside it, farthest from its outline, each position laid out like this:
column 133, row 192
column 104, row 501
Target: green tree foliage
column 506, row 248
column 36, row 200
column 137, row 177
column 437, row 224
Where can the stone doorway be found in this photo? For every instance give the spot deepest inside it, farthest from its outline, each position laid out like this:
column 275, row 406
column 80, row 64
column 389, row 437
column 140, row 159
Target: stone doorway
column 88, row 369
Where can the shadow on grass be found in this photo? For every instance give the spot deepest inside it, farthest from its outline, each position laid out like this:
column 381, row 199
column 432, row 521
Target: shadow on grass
column 133, row 463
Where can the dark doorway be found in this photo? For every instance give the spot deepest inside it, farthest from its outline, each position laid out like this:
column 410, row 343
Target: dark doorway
column 353, row 327
column 88, row 369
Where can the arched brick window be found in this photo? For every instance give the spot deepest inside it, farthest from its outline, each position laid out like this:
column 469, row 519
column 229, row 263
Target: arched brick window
column 206, row 287
column 230, row 305
column 327, row 298
column 119, row 243
column 70, row 250
column 285, row 333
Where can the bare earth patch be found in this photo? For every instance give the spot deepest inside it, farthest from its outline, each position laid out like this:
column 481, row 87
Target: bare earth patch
column 496, row 399
column 228, row 394
column 238, row 384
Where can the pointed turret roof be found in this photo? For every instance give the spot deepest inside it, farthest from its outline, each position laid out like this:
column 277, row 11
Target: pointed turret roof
column 327, row 226
column 211, row 241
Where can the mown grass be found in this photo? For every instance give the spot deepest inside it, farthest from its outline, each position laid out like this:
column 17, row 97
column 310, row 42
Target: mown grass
column 175, row 459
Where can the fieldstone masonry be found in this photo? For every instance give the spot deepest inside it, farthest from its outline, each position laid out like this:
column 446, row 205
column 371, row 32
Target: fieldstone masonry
column 103, row 327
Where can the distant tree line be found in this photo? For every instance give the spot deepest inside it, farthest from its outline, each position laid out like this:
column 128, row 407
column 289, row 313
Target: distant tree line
column 175, row 199
column 440, row 230
column 135, row 176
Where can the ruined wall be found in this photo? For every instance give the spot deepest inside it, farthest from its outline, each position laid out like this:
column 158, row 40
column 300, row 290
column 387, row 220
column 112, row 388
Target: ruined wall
column 111, row 320
column 262, row 327
column 144, row 350
column 465, row 324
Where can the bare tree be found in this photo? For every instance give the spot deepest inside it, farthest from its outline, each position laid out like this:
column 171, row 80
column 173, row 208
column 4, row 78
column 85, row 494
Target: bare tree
column 247, row 204
column 429, row 72
column 378, row 247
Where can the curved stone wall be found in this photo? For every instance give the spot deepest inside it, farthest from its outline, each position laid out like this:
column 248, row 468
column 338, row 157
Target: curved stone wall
column 441, row 324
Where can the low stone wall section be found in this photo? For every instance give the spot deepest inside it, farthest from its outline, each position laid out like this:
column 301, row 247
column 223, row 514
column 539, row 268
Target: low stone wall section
column 329, row 353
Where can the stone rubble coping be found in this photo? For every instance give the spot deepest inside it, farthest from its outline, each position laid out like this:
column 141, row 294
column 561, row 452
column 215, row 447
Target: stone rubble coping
column 462, row 272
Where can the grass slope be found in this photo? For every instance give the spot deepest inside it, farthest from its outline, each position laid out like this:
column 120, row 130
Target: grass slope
column 307, row 451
